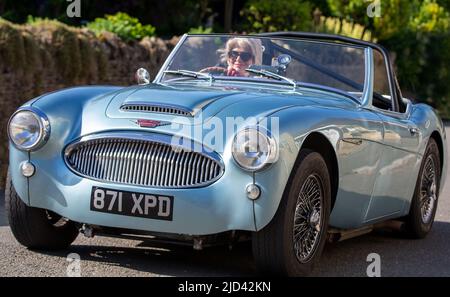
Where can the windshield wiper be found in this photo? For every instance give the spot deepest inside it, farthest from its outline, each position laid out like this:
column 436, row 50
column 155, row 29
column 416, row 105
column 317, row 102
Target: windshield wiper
column 190, row 74
column 272, row 75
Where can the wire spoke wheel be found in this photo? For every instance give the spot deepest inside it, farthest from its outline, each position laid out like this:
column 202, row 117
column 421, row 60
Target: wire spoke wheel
column 291, row 244
column 422, row 211
column 428, row 190
column 308, row 217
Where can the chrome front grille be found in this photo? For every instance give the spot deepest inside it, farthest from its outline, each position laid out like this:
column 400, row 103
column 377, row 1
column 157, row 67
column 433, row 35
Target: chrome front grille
column 142, row 163
column 156, row 109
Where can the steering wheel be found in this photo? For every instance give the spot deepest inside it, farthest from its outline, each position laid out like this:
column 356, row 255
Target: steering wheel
column 215, row 70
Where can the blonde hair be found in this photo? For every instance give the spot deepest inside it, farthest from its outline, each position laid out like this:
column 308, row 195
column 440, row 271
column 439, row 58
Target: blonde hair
column 251, row 45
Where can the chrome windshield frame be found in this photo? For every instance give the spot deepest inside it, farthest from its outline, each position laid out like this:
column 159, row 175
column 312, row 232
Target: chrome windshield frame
column 367, row 91
column 367, row 95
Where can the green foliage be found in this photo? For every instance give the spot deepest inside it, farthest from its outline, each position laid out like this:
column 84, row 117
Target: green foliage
column 395, row 17
column 200, row 30
column 422, row 66
column 125, row 26
column 36, row 21
column 280, row 15
column 43, row 22
column 418, row 32
column 351, row 10
column 431, row 18
column 333, row 25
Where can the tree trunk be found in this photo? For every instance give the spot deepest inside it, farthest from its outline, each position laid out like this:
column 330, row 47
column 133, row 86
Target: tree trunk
column 228, row 15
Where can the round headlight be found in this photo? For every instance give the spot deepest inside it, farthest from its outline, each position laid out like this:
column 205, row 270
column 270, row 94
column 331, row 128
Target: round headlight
column 28, row 130
column 253, row 149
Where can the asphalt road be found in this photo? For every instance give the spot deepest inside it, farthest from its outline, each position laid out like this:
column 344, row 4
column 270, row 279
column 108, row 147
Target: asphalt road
column 103, row 256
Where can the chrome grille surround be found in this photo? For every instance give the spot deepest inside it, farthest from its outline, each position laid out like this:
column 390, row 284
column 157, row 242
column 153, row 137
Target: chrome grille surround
column 147, row 160
column 156, row 108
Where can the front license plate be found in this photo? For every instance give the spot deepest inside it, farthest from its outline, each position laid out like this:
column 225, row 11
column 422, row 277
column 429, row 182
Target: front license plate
column 132, row 204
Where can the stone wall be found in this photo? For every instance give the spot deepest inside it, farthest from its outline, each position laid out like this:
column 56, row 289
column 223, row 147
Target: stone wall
column 40, row 58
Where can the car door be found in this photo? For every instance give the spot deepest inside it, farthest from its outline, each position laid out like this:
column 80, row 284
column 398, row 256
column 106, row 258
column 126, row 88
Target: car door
column 359, row 153
column 395, row 182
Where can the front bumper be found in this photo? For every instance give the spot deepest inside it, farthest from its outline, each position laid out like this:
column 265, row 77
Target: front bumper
column 219, row 207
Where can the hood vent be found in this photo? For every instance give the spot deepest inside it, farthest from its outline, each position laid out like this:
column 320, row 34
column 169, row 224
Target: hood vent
column 156, row 108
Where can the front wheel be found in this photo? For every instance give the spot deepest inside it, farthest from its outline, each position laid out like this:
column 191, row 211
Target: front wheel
column 293, row 241
column 37, row 228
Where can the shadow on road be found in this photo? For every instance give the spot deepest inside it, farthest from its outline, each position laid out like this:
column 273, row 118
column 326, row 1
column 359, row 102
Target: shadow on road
column 171, row 260
column 3, row 220
column 399, row 257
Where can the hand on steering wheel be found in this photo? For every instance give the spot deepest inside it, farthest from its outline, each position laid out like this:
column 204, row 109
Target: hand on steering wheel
column 230, row 71
column 215, row 70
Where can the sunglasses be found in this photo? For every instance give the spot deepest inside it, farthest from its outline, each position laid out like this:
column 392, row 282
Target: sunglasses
column 245, row 56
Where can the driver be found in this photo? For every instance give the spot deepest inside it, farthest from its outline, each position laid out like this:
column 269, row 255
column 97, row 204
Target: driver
column 238, row 55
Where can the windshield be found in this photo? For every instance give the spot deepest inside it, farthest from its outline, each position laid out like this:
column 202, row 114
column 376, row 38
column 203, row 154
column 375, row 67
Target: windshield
column 335, row 65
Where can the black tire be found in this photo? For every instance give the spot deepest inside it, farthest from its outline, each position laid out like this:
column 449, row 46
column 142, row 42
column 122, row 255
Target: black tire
column 417, row 225
column 36, row 228
column 273, row 246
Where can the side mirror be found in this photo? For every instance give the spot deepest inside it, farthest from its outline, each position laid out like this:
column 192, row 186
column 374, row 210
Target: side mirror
column 281, row 62
column 142, row 76
column 284, row 60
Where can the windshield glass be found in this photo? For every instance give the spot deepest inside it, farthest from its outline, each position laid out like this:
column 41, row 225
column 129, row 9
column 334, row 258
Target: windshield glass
column 335, row 65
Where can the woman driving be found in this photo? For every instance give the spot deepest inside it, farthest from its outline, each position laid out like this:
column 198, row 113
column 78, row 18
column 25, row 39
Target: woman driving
column 238, row 55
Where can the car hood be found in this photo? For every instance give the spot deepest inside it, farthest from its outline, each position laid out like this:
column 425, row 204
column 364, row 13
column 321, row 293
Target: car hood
column 193, row 104
column 81, row 111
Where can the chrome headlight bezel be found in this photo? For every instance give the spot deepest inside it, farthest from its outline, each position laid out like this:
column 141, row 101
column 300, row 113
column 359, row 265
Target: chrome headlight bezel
column 271, row 147
column 44, row 129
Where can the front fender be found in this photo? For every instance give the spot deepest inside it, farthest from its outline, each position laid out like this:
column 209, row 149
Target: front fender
column 69, row 109
column 64, row 108
column 295, row 124
column 356, row 158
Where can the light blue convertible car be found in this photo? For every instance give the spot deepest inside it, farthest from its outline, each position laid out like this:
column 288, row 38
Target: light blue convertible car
column 288, row 139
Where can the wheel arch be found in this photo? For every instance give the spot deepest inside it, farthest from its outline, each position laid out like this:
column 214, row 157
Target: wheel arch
column 437, row 137
column 314, row 133
column 319, row 143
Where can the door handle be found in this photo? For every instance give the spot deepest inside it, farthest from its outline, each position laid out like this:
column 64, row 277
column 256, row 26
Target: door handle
column 357, row 141
column 414, row 131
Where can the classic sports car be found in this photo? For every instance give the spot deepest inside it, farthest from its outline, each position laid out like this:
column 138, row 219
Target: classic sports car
column 287, row 139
